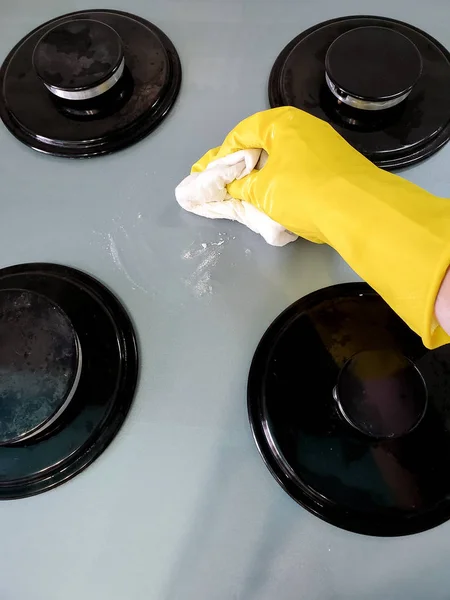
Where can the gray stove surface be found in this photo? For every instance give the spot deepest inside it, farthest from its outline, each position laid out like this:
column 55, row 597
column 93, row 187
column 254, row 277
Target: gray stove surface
column 180, row 506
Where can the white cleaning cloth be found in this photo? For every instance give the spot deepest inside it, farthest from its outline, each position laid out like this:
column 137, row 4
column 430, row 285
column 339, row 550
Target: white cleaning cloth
column 206, row 194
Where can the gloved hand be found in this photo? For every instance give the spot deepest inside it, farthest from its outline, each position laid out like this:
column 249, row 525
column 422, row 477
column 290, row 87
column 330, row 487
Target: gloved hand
column 395, row 235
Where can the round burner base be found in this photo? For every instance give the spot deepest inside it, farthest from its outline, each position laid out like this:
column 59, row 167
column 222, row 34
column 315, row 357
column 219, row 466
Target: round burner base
column 62, row 124
column 343, row 467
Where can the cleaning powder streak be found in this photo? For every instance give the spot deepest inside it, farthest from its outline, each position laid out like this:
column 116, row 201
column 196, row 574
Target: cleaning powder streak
column 208, row 254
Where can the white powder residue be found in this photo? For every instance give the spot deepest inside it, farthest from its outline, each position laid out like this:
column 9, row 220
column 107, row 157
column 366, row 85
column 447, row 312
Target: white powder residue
column 114, row 251
column 208, row 254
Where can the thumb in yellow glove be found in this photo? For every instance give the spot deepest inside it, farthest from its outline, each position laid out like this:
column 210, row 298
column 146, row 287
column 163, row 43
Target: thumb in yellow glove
column 394, row 234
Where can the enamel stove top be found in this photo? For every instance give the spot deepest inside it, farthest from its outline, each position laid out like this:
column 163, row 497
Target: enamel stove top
column 177, row 502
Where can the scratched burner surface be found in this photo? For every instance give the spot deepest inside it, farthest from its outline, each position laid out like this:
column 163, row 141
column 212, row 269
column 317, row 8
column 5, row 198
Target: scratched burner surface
column 39, row 363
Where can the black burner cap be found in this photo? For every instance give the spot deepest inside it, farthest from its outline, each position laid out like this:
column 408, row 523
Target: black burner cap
column 89, row 83
column 373, row 63
column 350, row 413
column 384, row 85
column 40, row 364
column 381, row 393
column 68, row 372
column 78, row 55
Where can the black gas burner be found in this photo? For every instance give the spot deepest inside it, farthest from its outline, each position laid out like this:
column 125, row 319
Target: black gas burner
column 351, row 413
column 80, row 59
column 68, row 372
column 89, row 83
column 381, row 83
column 372, row 68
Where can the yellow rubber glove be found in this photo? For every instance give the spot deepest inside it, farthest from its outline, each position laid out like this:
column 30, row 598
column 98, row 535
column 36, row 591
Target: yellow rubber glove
column 394, row 234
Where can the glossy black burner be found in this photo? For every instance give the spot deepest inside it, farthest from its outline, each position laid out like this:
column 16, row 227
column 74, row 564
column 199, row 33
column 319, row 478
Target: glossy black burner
column 372, row 68
column 68, row 372
column 79, row 59
column 89, row 83
column 351, row 413
column 381, row 83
